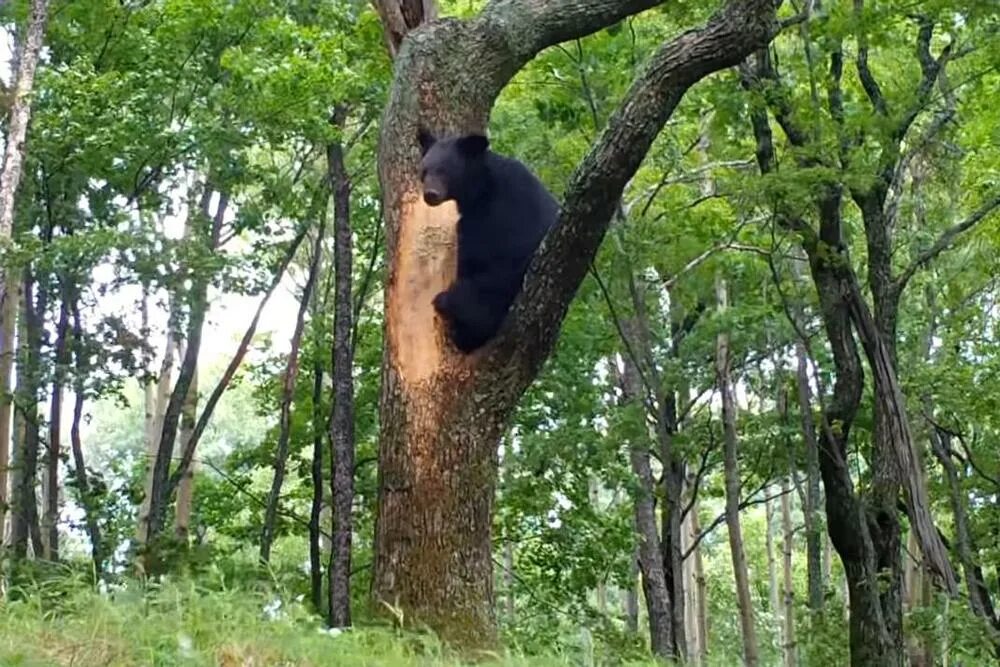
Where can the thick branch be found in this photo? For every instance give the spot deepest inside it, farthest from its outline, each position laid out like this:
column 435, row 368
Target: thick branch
column 946, row 240
column 741, row 28
column 528, row 26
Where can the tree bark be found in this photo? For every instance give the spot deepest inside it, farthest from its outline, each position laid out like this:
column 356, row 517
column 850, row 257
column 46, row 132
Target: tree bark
column 731, row 473
column 442, row 414
column 10, row 178
column 342, row 423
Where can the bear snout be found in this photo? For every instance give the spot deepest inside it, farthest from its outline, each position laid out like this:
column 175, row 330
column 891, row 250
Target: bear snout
column 432, row 197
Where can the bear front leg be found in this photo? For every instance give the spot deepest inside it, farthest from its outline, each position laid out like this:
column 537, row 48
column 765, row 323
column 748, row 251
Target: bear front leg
column 467, row 314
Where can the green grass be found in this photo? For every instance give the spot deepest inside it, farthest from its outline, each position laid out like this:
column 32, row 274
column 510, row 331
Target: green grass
column 59, row 624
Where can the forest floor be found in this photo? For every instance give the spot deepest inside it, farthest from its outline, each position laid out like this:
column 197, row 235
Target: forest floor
column 180, row 624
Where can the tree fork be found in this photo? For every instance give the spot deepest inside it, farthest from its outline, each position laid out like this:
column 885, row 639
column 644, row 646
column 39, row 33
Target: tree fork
column 442, row 414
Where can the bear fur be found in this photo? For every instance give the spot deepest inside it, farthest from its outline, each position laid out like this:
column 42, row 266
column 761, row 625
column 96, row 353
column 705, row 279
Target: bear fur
column 504, row 213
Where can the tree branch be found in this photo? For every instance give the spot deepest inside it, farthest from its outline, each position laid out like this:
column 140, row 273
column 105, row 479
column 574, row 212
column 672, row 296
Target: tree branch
column 530, row 331
column 399, row 17
column 946, row 240
column 528, row 26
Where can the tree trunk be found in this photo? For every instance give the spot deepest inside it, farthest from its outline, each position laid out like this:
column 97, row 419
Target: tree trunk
column 773, row 592
column 288, row 382
column 731, row 472
column 441, row 413
column 814, row 528
column 699, row 597
column 651, row 562
column 156, row 395
column 788, row 588
column 50, row 522
column 10, row 178
column 916, row 596
column 185, row 489
column 87, row 500
column 632, row 597
column 860, row 540
column 24, row 506
column 316, row 507
column 342, row 424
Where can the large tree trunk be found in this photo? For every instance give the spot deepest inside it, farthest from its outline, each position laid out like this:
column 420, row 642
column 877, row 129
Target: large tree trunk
column 441, row 413
column 731, row 473
column 342, row 423
column 10, row 178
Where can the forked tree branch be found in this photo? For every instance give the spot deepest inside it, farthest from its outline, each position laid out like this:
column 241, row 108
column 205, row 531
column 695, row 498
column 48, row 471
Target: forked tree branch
column 530, row 331
column 399, row 17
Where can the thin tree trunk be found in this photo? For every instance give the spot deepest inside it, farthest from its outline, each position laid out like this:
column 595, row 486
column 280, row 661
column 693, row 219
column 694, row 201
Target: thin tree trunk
column 632, row 597
column 651, row 562
column 700, row 649
column 10, row 178
column 185, row 489
column 816, row 577
column 601, row 590
column 442, row 414
column 916, row 588
column 342, row 424
column 50, row 521
column 773, row 593
column 85, row 493
column 732, row 479
column 788, row 588
column 287, row 399
column 316, row 507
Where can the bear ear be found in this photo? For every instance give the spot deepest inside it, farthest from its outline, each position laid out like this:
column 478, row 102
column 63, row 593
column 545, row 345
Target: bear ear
column 473, row 145
column 426, row 139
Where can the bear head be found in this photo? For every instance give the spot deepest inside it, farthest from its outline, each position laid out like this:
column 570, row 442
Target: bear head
column 451, row 167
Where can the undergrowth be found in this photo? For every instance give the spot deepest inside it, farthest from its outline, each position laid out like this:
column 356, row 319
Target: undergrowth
column 183, row 622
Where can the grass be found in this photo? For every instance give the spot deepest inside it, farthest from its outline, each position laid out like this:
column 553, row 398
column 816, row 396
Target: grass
column 183, row 624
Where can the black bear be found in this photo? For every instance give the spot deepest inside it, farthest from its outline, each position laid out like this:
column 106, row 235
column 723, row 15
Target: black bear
column 504, row 212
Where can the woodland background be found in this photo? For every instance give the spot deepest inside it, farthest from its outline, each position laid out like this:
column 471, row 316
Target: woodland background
column 766, row 431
